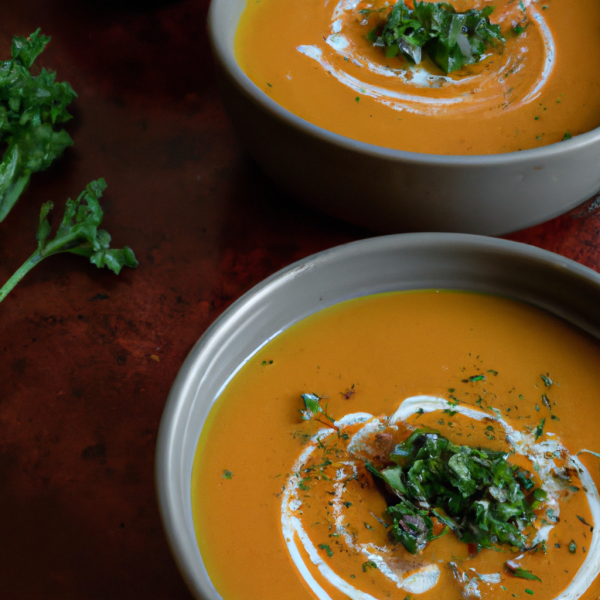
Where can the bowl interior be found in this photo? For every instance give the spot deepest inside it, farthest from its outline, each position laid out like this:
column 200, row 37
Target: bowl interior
column 401, row 262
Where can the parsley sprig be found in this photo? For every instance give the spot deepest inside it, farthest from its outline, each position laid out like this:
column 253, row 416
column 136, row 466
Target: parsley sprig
column 451, row 39
column 31, row 111
column 472, row 491
column 78, row 233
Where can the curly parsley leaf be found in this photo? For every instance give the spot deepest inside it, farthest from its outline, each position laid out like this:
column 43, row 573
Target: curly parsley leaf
column 78, row 233
column 451, row 39
column 31, row 111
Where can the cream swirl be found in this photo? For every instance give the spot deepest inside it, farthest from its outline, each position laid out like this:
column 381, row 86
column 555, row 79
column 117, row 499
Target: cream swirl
column 416, row 578
column 506, row 79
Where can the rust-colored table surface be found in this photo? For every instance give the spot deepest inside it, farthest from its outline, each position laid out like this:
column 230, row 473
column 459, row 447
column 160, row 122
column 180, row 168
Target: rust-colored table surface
column 88, row 358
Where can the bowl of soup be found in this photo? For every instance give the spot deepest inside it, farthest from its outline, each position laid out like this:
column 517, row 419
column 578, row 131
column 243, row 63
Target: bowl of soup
column 413, row 415
column 489, row 148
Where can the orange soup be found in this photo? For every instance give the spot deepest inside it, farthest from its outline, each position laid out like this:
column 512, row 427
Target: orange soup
column 435, row 445
column 542, row 86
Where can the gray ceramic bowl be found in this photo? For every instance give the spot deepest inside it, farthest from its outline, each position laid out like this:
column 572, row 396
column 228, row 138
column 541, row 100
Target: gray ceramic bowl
column 399, row 262
column 489, row 195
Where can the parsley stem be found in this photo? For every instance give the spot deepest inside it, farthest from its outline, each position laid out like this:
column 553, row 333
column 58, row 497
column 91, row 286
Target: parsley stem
column 19, row 274
column 39, row 255
column 78, row 233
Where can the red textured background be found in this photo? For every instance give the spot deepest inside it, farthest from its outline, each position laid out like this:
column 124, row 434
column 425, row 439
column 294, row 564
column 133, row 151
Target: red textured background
column 87, row 358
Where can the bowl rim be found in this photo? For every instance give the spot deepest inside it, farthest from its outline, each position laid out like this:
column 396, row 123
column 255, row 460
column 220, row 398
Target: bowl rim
column 224, row 55
column 172, row 494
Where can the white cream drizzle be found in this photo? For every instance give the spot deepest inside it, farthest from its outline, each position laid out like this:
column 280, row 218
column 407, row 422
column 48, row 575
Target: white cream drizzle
column 469, row 91
column 427, row 577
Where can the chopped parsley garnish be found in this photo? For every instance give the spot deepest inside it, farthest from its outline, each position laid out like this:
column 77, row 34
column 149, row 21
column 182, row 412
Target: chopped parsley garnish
column 302, row 485
column 567, row 136
column 546, row 379
column 327, row 549
column 451, row 39
column 314, row 408
column 474, row 378
column 227, row 474
column 519, row 572
column 477, row 491
column 369, row 565
column 585, row 522
column 386, row 525
column 539, row 430
column 572, row 547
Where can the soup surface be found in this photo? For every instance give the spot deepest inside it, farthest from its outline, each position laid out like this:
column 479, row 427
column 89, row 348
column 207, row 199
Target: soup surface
column 542, row 86
column 287, row 502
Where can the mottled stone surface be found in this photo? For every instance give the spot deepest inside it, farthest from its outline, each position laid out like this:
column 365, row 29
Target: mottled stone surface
column 88, row 358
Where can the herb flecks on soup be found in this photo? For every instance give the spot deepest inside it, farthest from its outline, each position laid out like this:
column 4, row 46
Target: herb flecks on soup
column 317, row 58
column 487, row 374
column 487, row 498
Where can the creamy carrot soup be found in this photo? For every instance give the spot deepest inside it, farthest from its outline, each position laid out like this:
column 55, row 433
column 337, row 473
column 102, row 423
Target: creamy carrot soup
column 316, row 59
column 430, row 445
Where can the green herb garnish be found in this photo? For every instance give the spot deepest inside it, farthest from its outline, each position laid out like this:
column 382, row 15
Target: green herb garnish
column 572, row 547
column 477, row 491
column 314, row 408
column 474, row 378
column 31, row 111
column 79, row 234
column 327, row 549
column 451, row 39
column 524, row 480
column 522, row 573
column 369, row 565
column 585, row 522
column 227, row 474
column 539, row 430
